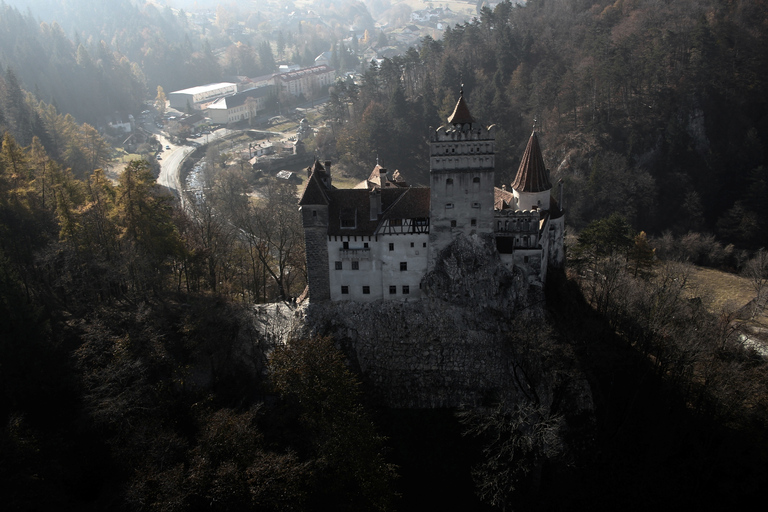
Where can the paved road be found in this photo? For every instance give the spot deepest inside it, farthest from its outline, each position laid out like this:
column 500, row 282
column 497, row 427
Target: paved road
column 170, row 165
column 171, row 159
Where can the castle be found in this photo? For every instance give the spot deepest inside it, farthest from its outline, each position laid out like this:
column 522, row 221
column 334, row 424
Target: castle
column 378, row 240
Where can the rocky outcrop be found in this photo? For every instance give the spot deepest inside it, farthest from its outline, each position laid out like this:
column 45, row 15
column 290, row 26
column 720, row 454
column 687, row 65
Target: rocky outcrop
column 480, row 337
column 431, row 353
column 469, row 273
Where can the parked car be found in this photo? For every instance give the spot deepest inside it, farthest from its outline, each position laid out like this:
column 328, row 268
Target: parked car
column 167, row 147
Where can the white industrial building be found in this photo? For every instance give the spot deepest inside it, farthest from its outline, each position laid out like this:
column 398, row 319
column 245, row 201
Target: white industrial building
column 237, row 107
column 194, row 96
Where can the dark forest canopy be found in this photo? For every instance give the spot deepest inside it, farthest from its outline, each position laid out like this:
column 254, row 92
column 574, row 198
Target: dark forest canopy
column 108, row 67
column 655, row 110
column 91, row 59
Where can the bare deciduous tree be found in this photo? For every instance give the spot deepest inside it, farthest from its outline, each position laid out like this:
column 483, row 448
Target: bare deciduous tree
column 276, row 236
column 756, row 270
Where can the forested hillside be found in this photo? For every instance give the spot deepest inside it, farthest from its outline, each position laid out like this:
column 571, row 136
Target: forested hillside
column 655, row 110
column 122, row 52
column 91, row 58
column 131, row 374
column 129, row 378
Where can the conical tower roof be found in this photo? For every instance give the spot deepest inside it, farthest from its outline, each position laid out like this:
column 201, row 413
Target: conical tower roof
column 461, row 113
column 532, row 175
column 315, row 189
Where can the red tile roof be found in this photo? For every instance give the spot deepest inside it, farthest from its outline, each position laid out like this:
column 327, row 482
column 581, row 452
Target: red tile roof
column 396, row 202
column 414, row 203
column 502, row 199
column 532, row 175
column 461, row 113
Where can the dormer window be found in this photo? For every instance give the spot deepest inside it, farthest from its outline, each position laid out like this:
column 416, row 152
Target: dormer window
column 347, row 218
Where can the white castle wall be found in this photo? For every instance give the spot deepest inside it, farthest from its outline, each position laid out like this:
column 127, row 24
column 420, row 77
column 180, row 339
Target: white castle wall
column 378, row 266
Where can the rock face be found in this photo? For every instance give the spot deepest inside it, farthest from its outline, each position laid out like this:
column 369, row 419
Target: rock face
column 469, row 273
column 480, row 337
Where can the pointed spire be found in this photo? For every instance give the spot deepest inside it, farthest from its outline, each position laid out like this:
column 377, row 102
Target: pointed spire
column 461, row 113
column 315, row 189
column 316, row 166
column 532, row 175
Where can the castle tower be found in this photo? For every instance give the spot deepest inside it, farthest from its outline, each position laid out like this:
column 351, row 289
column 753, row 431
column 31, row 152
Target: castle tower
column 531, row 187
column 461, row 168
column 313, row 206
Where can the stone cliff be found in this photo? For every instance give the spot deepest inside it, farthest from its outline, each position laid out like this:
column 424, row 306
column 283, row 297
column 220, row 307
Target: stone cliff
column 479, row 338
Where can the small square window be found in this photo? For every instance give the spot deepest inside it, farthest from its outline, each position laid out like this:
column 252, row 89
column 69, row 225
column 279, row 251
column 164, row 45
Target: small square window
column 406, row 289
column 346, row 245
column 365, row 245
column 424, row 244
column 411, row 244
column 355, row 265
column 475, row 205
column 391, row 247
column 338, row 265
column 392, row 290
column 448, row 206
column 453, row 223
column 403, row 266
column 473, row 222
column 345, row 290
column 366, row 290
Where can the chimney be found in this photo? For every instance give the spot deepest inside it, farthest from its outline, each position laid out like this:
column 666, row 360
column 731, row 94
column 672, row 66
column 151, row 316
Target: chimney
column 383, row 176
column 375, row 200
column 328, row 171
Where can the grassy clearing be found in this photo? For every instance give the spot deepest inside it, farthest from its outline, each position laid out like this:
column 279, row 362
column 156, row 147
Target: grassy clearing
column 720, row 288
column 723, row 291
column 284, row 127
column 123, row 157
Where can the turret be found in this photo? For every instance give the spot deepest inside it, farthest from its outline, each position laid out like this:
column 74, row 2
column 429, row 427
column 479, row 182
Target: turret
column 313, row 206
column 531, row 187
column 461, row 161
